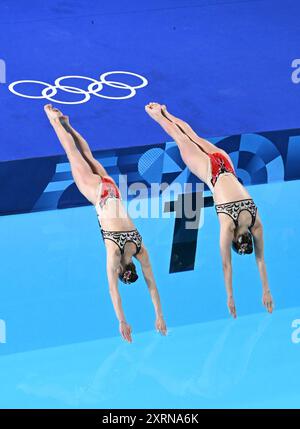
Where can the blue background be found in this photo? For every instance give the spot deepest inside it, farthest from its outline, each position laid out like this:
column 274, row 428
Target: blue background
column 223, row 66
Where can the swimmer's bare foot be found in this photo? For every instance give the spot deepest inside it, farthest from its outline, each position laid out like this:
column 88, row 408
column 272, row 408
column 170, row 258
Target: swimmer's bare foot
column 164, row 108
column 166, row 114
column 154, row 110
column 64, row 120
column 52, row 113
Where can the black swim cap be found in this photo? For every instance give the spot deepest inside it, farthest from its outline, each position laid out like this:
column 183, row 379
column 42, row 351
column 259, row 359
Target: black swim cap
column 243, row 244
column 129, row 275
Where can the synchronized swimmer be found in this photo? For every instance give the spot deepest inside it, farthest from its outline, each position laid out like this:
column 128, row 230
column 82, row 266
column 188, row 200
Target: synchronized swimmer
column 122, row 239
column 240, row 224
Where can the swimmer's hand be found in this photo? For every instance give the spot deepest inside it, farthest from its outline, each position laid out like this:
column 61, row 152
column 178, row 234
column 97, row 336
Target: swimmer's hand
column 52, row 113
column 231, row 306
column 154, row 110
column 267, row 300
column 160, row 325
column 125, row 331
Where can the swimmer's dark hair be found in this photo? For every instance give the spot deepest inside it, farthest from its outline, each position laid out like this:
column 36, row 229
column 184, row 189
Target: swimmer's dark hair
column 243, row 245
column 129, row 275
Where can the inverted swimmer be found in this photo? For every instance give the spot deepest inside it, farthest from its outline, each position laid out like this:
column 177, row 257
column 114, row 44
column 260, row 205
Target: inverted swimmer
column 122, row 239
column 240, row 223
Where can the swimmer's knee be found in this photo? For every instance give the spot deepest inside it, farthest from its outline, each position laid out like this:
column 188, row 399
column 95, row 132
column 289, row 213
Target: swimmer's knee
column 183, row 142
column 185, row 150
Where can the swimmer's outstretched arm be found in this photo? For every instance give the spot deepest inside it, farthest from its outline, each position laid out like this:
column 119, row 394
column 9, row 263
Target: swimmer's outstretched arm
column 257, row 233
column 143, row 258
column 226, row 236
column 112, row 265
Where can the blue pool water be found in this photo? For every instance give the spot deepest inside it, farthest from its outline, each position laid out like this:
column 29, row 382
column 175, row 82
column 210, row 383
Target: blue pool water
column 62, row 345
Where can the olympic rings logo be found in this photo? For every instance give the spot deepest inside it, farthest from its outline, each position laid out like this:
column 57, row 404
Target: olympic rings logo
column 94, row 88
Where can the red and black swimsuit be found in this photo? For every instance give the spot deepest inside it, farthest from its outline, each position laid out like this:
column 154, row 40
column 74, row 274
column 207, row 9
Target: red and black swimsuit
column 108, row 190
column 219, row 165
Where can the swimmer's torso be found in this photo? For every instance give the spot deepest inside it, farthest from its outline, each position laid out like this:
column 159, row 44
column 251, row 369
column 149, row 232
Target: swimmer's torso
column 228, row 188
column 111, row 212
column 113, row 216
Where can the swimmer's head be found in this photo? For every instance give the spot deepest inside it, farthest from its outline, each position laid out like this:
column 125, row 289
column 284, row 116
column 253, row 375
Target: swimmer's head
column 243, row 243
column 128, row 274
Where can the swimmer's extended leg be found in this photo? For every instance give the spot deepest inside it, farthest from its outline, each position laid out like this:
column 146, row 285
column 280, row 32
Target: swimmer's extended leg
column 154, row 111
column 83, row 175
column 83, row 147
column 194, row 158
column 186, row 129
